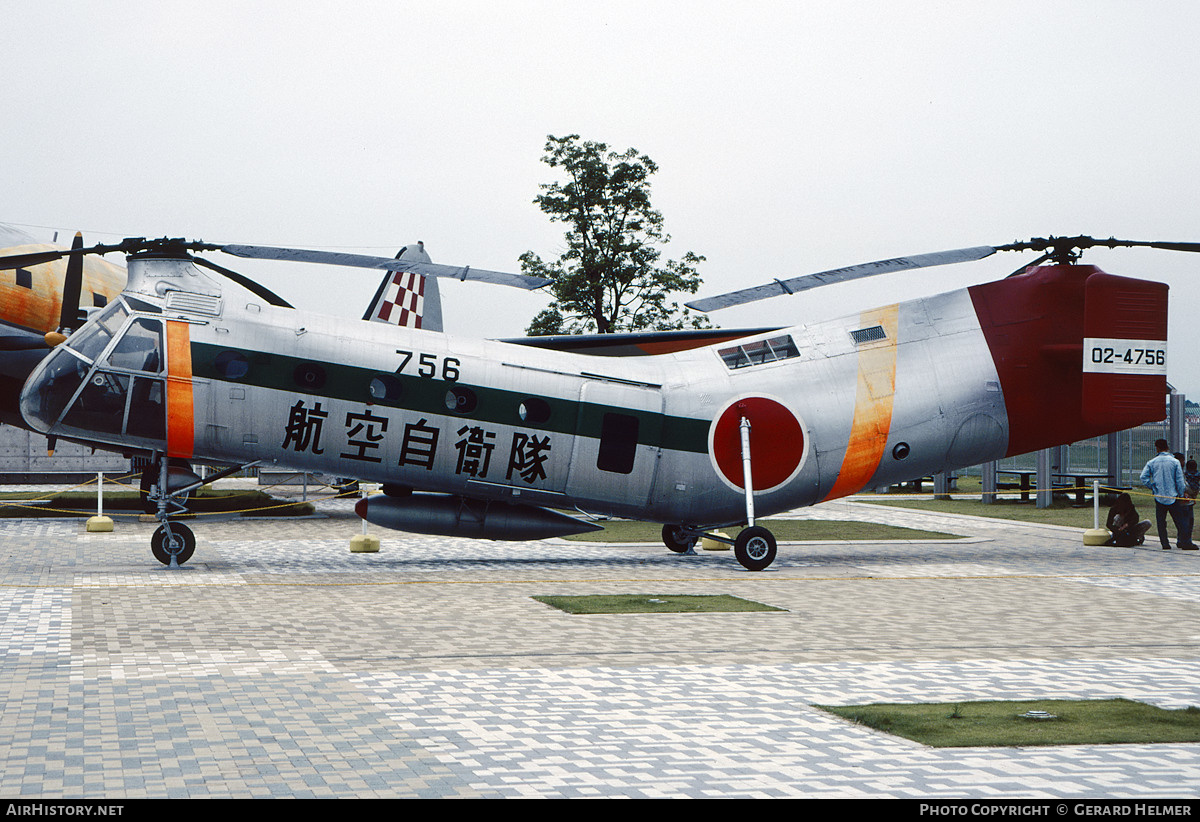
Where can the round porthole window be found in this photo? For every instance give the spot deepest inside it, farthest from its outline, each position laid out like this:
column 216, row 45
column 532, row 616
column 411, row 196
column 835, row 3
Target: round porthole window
column 232, row 365
column 533, row 410
column 385, row 388
column 309, row 375
column 461, row 400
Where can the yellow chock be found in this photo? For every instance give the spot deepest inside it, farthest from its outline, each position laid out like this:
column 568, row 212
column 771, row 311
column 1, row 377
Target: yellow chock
column 1095, row 536
column 715, row 545
column 99, row 523
column 364, row 544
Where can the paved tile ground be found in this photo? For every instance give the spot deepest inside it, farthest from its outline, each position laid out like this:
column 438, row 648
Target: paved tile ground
column 276, row 663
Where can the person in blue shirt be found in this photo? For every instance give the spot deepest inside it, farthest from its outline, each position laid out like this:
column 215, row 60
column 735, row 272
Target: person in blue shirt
column 1163, row 475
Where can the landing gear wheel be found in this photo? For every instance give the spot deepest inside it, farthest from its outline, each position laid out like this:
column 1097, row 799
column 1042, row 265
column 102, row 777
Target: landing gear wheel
column 754, row 548
column 181, row 542
column 678, row 540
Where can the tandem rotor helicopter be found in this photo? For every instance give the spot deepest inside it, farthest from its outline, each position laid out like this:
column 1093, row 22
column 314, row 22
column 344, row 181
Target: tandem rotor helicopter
column 193, row 363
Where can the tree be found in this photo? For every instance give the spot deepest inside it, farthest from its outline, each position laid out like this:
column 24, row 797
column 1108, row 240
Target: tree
column 609, row 278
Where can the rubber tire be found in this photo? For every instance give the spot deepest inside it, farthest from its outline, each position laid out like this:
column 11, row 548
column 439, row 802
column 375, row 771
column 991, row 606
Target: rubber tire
column 754, row 548
column 182, row 535
column 673, row 541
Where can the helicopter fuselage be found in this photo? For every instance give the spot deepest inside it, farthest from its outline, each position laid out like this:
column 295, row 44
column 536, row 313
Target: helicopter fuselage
column 200, row 369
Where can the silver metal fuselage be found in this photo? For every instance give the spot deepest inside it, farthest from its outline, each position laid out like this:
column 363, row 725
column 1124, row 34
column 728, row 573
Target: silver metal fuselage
column 876, row 398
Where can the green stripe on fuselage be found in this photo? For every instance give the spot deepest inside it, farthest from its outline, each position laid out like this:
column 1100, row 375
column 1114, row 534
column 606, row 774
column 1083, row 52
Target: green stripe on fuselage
column 427, row 395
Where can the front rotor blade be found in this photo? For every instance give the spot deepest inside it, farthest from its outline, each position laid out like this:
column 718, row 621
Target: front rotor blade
column 26, row 260
column 126, row 246
column 838, row 275
column 259, row 252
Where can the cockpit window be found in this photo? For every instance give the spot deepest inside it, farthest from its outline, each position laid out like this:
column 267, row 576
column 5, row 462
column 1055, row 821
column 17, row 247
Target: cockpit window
column 101, row 404
column 91, row 340
column 140, row 349
column 82, row 390
column 58, row 384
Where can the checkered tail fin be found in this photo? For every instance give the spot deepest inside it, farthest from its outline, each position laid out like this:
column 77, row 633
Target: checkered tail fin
column 406, row 299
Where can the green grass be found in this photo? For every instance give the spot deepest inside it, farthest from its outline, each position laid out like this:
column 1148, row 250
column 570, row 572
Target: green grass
column 785, row 530
column 652, row 604
column 1000, row 724
column 1060, row 513
column 83, row 503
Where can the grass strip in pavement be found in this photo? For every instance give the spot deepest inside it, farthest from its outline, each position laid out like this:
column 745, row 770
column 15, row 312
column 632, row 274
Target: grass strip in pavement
column 652, row 604
column 1027, row 722
column 1060, row 513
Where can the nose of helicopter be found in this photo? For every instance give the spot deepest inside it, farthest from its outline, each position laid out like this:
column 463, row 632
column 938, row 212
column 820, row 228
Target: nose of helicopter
column 49, row 388
column 106, row 383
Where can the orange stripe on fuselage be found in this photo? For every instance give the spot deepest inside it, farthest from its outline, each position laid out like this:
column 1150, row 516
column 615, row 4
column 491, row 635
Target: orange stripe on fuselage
column 872, row 405
column 180, row 419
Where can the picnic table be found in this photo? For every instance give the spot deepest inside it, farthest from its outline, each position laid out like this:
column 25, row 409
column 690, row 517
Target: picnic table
column 1082, row 483
column 1026, row 480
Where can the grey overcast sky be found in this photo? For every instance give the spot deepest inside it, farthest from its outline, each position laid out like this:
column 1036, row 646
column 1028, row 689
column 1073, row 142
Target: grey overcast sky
column 792, row 137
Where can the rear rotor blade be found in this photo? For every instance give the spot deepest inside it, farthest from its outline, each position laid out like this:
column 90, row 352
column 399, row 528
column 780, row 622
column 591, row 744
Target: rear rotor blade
column 1172, row 246
column 839, row 275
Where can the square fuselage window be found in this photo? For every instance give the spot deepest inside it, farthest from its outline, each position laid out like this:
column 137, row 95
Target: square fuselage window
column 618, row 443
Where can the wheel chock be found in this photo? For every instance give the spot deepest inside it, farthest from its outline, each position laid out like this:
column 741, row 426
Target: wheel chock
column 99, row 523
column 364, row 544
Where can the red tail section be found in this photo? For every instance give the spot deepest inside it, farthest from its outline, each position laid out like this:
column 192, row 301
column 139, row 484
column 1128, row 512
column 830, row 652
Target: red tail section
column 1124, row 350
column 1079, row 352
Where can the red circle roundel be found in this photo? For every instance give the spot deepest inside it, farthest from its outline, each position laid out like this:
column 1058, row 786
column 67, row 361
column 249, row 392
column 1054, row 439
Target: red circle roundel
column 776, row 442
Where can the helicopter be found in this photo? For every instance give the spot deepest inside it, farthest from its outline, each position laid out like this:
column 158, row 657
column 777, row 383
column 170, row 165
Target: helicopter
column 499, row 440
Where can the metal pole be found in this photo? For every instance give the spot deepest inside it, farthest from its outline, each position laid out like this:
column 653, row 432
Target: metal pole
column 989, row 481
column 1045, row 491
column 1096, row 504
column 747, row 480
column 100, row 494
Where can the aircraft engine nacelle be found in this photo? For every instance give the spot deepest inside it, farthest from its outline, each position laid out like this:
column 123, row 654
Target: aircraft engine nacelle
column 453, row 516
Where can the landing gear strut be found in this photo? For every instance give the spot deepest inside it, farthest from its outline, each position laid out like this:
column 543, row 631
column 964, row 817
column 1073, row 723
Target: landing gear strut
column 166, row 486
column 173, row 543
column 754, row 547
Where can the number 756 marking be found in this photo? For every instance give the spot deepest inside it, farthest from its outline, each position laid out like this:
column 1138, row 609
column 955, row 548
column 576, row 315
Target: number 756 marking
column 429, row 365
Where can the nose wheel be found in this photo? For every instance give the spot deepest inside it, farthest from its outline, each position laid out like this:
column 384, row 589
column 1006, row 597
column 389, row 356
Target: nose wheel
column 173, row 543
column 679, row 539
